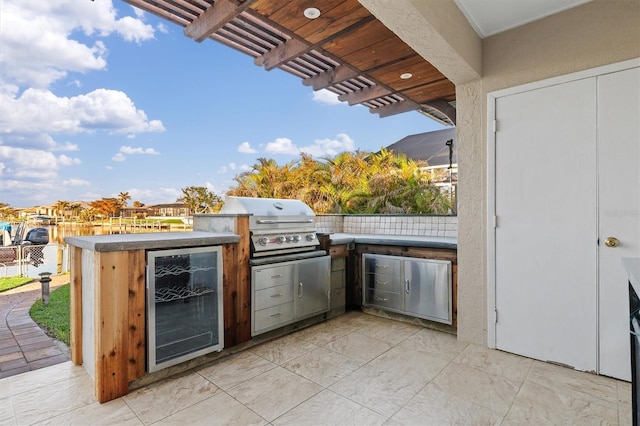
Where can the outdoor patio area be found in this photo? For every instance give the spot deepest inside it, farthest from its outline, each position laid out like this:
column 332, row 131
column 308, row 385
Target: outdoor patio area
column 355, row 369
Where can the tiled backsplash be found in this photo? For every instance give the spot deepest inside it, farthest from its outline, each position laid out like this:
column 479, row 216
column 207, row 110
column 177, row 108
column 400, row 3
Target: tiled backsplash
column 418, row 225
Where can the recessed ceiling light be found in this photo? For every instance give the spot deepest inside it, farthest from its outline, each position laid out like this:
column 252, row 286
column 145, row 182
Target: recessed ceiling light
column 406, row 76
column 312, row 12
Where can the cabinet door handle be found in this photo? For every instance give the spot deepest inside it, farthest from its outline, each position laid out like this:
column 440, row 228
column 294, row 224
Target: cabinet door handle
column 381, row 299
column 300, row 289
column 276, row 276
column 407, row 286
column 275, row 315
column 382, row 282
column 382, row 266
column 276, row 295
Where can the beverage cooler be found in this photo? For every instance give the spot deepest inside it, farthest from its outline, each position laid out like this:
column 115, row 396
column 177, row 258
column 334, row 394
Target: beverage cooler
column 184, row 305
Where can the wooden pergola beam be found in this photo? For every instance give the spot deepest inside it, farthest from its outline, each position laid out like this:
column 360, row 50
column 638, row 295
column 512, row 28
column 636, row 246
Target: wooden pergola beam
column 444, row 108
column 214, row 18
column 396, row 108
column 282, row 54
column 364, row 95
column 141, row 4
column 330, row 77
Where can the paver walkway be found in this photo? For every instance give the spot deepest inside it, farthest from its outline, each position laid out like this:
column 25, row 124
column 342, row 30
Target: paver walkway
column 23, row 345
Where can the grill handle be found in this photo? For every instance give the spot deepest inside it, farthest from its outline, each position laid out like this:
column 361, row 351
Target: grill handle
column 274, row 221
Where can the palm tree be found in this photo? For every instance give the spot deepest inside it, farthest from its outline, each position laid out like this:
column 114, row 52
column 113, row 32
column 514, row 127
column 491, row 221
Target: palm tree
column 76, row 209
column 7, row 212
column 350, row 182
column 61, row 207
column 124, row 197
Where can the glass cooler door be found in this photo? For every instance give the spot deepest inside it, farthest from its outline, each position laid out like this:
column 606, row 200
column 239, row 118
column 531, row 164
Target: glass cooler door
column 184, row 300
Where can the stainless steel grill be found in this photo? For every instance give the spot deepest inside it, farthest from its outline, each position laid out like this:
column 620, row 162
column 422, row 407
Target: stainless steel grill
column 290, row 275
column 277, row 226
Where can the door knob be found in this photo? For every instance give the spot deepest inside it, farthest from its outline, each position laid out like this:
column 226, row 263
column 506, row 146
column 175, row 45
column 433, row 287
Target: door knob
column 611, row 242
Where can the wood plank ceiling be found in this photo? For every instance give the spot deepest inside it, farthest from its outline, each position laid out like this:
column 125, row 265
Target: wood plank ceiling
column 345, row 49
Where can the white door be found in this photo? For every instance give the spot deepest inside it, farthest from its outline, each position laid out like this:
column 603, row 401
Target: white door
column 567, row 178
column 545, row 239
column 619, row 211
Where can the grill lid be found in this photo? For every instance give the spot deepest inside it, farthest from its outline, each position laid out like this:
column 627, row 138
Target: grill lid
column 277, row 226
column 265, row 207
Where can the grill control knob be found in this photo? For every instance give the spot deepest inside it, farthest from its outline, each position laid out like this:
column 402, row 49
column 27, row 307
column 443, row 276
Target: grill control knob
column 310, row 237
column 281, row 240
column 263, row 241
column 296, row 238
column 289, row 238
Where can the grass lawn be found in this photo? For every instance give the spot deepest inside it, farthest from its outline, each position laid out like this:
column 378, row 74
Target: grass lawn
column 54, row 317
column 7, row 283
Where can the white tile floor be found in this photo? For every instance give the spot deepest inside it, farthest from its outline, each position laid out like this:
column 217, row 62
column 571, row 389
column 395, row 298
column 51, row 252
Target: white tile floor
column 356, row 369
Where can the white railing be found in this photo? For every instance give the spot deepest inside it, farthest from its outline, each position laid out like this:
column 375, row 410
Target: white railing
column 30, row 259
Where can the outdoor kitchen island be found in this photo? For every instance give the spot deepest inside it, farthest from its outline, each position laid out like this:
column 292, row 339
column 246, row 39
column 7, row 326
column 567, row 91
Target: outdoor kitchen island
column 108, row 282
column 418, row 276
column 108, row 312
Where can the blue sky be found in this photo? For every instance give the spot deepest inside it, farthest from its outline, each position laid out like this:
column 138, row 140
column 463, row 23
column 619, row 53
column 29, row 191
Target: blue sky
column 98, row 98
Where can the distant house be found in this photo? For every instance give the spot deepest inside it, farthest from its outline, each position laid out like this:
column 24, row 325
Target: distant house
column 432, row 148
column 172, row 209
column 137, row 212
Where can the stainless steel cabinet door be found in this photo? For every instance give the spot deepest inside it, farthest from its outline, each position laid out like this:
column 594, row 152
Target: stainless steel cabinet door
column 311, row 288
column 427, row 287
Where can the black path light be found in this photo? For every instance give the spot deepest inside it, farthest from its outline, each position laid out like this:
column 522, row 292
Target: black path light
column 45, row 279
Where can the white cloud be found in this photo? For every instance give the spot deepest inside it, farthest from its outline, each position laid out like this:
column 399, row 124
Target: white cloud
column 132, row 29
column 41, row 111
column 246, row 148
column 245, row 168
column 67, row 146
column 129, row 150
column 282, row 146
column 18, row 160
column 63, row 160
column 213, row 188
column 75, row 182
column 162, row 28
column 31, row 174
column 36, row 44
column 325, row 96
column 44, row 42
column 229, row 167
column 320, row 147
column 330, row 147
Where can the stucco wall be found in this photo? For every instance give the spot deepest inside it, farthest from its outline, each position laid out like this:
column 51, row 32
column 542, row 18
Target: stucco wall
column 598, row 33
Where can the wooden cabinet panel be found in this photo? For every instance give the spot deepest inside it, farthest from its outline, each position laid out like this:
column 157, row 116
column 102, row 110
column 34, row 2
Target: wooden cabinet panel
column 111, row 324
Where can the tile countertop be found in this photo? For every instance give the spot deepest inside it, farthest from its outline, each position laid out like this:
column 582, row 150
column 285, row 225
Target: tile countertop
column 394, row 240
column 631, row 266
column 151, row 240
